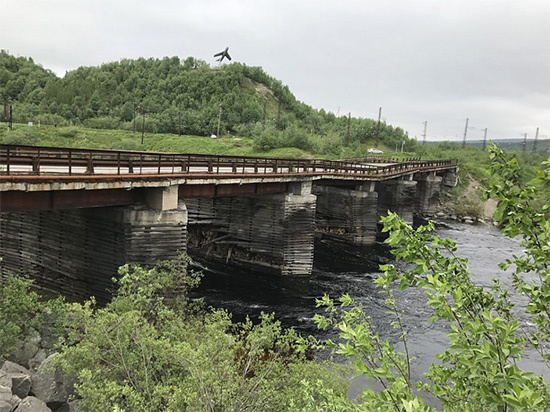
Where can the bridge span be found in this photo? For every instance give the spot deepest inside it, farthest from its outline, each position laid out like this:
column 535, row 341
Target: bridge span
column 70, row 217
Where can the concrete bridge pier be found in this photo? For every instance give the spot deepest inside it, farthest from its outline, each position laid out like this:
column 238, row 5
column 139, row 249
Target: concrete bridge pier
column 427, row 193
column 347, row 214
column 398, row 196
column 270, row 232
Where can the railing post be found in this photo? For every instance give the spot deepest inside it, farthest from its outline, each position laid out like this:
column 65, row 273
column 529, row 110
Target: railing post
column 160, row 160
column 118, row 163
column 70, row 162
column 90, row 168
column 8, row 160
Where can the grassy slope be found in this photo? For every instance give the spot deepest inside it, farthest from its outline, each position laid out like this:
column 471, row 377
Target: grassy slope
column 81, row 137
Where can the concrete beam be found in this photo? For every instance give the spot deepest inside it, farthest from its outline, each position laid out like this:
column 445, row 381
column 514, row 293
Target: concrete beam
column 162, row 198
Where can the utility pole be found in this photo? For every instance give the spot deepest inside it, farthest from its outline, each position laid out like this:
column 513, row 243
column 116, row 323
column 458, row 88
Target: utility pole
column 348, row 129
column 524, row 142
column 378, row 127
column 265, row 111
column 425, row 130
column 279, row 116
column 536, row 140
column 485, row 139
column 142, row 125
column 10, row 124
column 134, row 118
column 219, row 121
column 465, row 132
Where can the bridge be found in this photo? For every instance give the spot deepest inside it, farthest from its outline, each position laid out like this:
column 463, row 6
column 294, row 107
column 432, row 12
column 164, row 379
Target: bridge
column 70, row 217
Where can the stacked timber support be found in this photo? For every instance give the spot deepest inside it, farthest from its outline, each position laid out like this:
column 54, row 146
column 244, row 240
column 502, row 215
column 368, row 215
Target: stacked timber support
column 272, row 233
column 428, row 191
column 347, row 215
column 78, row 252
column 398, row 196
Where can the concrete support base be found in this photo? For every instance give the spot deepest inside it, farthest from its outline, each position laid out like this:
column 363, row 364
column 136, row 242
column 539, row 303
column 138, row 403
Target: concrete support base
column 271, row 233
column 427, row 193
column 397, row 196
column 346, row 215
column 78, row 251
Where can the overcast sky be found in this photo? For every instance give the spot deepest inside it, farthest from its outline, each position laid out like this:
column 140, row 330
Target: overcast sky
column 440, row 61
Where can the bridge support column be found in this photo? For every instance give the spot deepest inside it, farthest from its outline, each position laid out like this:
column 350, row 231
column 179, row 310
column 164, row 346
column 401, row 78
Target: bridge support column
column 78, row 251
column 272, row 233
column 347, row 215
column 427, row 193
column 151, row 235
column 398, row 196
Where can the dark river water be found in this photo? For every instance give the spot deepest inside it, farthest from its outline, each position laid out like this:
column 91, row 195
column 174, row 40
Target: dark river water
column 352, row 271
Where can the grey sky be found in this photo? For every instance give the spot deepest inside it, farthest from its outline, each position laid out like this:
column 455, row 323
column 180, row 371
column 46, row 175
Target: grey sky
column 435, row 60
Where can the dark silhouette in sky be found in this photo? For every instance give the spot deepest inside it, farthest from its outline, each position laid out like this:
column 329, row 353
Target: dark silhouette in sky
column 223, row 54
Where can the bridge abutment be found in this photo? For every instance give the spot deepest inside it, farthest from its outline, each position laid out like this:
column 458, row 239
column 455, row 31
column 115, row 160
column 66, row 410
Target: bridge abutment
column 347, row 215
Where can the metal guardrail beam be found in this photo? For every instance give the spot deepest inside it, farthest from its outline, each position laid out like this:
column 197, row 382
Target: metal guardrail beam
column 25, row 161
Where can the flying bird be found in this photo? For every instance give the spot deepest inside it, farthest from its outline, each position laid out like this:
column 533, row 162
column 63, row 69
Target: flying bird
column 223, row 54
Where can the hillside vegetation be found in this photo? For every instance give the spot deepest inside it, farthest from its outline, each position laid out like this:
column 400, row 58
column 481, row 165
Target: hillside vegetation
column 179, row 97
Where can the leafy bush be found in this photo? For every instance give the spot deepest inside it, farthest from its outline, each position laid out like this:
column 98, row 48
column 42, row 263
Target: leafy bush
column 19, row 307
column 23, row 314
column 150, row 349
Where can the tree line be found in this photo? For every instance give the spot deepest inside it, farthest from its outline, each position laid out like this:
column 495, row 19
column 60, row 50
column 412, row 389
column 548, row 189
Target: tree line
column 171, row 95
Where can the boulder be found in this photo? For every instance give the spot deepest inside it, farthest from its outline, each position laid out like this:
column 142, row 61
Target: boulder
column 37, row 359
column 50, row 384
column 8, row 402
column 11, row 368
column 32, row 404
column 20, row 384
column 26, row 351
column 5, row 379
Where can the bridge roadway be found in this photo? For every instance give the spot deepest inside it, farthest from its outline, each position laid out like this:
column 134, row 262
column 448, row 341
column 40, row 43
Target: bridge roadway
column 26, row 170
column 70, row 217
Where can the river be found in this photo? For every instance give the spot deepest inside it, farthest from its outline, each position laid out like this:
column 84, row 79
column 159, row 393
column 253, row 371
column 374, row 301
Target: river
column 352, row 271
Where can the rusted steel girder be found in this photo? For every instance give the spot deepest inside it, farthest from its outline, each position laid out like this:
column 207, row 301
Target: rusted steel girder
column 212, row 190
column 15, row 200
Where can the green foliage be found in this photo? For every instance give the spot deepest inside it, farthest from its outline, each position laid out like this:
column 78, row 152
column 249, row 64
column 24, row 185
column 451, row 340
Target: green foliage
column 19, row 307
column 151, row 349
column 521, row 210
column 23, row 315
column 172, row 95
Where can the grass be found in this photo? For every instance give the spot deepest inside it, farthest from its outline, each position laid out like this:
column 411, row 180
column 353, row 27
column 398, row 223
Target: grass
column 86, row 138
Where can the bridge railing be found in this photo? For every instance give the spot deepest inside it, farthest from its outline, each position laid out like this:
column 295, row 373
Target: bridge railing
column 34, row 160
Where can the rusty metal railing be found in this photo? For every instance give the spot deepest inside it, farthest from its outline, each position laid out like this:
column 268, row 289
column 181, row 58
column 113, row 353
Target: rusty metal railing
column 20, row 161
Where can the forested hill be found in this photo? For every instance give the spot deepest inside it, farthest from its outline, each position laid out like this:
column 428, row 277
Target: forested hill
column 174, row 95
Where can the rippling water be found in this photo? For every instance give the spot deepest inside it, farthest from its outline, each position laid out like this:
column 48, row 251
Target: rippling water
column 352, row 271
